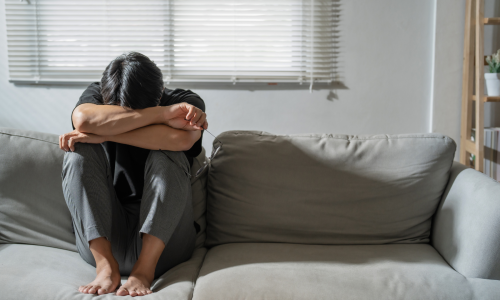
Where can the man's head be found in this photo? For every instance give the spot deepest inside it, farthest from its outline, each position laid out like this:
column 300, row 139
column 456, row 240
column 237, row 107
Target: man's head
column 132, row 80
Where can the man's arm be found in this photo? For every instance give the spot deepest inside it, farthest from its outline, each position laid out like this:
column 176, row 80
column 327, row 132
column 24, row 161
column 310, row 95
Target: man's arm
column 173, row 127
column 159, row 136
column 107, row 120
column 114, row 119
column 153, row 137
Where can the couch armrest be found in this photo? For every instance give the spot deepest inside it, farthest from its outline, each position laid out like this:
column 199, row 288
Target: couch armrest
column 466, row 227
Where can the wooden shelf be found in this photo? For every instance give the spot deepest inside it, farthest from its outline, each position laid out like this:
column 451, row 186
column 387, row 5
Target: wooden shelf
column 484, row 62
column 470, row 147
column 488, row 98
column 492, row 21
column 473, row 79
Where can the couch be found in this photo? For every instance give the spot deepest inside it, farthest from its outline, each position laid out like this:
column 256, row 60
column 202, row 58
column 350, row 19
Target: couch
column 303, row 216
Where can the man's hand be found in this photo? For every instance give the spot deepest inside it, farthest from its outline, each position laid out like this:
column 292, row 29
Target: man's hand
column 67, row 141
column 186, row 116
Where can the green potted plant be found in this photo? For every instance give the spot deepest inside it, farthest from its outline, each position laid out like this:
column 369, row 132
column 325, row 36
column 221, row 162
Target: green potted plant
column 493, row 77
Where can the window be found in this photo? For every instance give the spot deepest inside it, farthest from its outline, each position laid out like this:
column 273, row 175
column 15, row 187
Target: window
column 191, row 41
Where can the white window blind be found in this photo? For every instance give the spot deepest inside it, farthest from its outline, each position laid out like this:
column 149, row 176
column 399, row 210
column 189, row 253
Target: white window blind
column 191, row 41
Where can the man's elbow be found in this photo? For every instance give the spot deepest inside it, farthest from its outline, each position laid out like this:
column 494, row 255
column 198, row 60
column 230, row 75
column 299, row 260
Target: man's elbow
column 190, row 139
column 80, row 121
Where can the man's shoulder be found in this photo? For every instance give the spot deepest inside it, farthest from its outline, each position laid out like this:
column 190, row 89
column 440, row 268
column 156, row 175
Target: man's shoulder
column 92, row 94
column 181, row 95
column 96, row 85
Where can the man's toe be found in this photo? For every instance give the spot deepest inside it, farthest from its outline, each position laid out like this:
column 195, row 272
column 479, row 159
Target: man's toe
column 122, row 291
column 94, row 289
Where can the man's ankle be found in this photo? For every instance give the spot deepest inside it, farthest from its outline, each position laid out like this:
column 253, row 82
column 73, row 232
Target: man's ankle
column 101, row 250
column 144, row 268
column 106, row 261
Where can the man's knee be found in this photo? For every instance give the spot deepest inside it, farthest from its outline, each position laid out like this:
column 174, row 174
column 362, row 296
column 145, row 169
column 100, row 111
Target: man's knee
column 165, row 164
column 86, row 149
column 85, row 153
column 164, row 158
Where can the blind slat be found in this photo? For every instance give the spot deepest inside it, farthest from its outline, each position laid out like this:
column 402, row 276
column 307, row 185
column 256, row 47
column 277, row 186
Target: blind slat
column 199, row 41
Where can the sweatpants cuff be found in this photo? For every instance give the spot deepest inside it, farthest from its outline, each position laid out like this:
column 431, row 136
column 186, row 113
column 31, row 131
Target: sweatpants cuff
column 94, row 232
column 150, row 229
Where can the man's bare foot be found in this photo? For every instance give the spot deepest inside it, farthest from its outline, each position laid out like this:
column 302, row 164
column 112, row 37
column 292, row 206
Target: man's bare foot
column 107, row 269
column 137, row 285
column 143, row 272
column 107, row 279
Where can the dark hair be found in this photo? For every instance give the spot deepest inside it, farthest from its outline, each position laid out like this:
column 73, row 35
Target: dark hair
column 132, row 80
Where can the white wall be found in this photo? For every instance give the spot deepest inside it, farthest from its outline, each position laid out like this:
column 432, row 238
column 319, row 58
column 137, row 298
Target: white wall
column 386, row 65
column 447, row 75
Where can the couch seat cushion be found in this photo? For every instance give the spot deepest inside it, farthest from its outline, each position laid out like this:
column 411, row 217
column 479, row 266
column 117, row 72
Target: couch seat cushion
column 38, row 272
column 485, row 289
column 294, row 271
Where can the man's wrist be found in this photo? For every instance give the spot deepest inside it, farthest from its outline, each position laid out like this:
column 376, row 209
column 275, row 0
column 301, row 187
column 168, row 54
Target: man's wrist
column 165, row 114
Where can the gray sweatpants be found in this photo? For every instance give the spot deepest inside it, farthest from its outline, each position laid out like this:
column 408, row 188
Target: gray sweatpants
column 165, row 210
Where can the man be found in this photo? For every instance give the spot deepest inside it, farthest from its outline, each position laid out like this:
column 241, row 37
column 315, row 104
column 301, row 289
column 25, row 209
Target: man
column 126, row 175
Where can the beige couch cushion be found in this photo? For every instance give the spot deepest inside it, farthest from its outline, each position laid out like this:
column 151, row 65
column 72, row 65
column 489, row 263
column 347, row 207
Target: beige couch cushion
column 484, row 289
column 199, row 191
column 326, row 189
column 292, row 271
column 43, row 273
column 32, row 206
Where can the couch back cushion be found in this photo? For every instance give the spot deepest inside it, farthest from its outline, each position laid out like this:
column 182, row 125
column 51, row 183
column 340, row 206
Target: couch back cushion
column 32, row 206
column 326, row 189
column 199, row 192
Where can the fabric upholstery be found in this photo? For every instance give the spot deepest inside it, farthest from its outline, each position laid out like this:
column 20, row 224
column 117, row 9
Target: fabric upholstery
column 199, row 190
column 484, row 289
column 467, row 224
column 32, row 206
column 44, row 273
column 326, row 189
column 295, row 271
column 286, row 191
